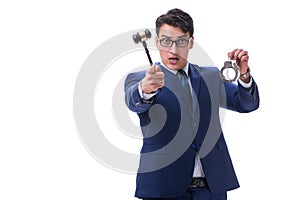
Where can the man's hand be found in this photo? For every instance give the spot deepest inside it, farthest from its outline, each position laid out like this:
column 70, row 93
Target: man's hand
column 241, row 57
column 153, row 80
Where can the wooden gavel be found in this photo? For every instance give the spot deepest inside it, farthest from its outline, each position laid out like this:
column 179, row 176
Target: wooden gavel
column 142, row 37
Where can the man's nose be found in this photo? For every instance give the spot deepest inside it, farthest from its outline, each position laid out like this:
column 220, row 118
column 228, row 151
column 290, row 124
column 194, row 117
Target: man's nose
column 173, row 49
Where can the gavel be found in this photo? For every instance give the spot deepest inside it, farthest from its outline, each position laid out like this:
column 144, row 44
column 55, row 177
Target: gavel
column 142, row 37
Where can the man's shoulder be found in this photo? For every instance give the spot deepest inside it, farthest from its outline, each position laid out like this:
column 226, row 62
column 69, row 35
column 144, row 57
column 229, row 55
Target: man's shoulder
column 205, row 68
column 137, row 73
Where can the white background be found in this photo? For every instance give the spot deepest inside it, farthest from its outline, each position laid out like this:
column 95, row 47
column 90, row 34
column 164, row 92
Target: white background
column 43, row 45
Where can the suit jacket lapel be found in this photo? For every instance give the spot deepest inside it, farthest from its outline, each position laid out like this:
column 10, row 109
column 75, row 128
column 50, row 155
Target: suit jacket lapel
column 195, row 79
column 173, row 83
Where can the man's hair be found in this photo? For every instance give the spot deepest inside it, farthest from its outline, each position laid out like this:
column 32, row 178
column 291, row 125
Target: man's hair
column 177, row 18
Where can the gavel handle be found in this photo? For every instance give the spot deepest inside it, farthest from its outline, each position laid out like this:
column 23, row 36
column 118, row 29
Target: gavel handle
column 148, row 54
column 149, row 57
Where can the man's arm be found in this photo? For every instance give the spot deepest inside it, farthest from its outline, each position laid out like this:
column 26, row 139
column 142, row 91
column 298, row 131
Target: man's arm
column 241, row 99
column 141, row 87
column 244, row 97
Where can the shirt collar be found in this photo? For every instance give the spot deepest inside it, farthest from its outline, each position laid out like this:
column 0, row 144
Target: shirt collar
column 174, row 71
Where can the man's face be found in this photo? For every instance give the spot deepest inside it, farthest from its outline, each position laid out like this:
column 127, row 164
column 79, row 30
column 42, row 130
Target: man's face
column 173, row 57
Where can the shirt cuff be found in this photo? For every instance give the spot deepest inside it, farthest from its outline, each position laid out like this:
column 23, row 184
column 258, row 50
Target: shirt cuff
column 246, row 85
column 145, row 96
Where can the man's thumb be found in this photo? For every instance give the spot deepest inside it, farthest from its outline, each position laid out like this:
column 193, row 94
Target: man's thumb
column 151, row 69
column 157, row 68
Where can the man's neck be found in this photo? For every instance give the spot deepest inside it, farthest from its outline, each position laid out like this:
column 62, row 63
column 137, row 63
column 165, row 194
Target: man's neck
column 174, row 71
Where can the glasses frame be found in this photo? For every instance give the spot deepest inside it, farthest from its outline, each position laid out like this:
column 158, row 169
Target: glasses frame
column 174, row 41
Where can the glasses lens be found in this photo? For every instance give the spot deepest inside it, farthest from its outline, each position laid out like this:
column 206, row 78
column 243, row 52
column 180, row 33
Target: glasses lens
column 182, row 43
column 165, row 42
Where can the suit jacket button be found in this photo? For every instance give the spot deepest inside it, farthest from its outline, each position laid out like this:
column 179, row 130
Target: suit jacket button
column 194, row 146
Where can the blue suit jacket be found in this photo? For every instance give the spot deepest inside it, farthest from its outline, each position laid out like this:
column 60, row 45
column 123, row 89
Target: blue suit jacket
column 174, row 129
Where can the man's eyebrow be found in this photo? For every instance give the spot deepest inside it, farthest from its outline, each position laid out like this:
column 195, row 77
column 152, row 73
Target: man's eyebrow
column 179, row 37
column 182, row 36
column 165, row 36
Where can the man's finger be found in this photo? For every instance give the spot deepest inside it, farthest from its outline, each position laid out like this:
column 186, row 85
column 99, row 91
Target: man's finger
column 236, row 53
column 231, row 54
column 151, row 69
column 244, row 58
column 157, row 68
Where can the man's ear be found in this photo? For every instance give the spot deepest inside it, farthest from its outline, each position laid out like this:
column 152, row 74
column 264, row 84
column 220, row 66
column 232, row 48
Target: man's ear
column 192, row 42
column 156, row 42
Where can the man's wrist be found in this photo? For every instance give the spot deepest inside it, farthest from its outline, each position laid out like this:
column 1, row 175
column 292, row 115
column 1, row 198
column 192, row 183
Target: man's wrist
column 246, row 85
column 143, row 95
column 246, row 76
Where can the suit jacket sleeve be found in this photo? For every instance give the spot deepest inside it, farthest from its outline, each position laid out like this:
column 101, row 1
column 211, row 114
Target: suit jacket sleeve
column 240, row 99
column 132, row 97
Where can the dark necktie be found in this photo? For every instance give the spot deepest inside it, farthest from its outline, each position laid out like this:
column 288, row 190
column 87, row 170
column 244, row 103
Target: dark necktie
column 185, row 84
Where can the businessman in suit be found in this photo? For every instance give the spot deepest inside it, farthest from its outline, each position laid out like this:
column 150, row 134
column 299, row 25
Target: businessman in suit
column 184, row 154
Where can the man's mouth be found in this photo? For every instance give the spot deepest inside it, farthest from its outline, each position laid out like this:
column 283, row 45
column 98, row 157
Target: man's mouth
column 173, row 60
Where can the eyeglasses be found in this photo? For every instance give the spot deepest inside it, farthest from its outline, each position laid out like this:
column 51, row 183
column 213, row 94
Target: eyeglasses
column 182, row 42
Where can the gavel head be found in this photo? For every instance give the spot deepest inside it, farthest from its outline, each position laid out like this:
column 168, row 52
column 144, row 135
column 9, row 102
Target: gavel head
column 141, row 36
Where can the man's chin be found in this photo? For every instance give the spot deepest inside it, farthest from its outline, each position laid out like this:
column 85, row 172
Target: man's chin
column 174, row 67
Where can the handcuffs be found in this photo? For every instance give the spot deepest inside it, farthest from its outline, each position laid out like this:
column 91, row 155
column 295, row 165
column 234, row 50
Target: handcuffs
column 230, row 72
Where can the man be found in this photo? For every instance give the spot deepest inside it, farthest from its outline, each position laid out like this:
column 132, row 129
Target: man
column 184, row 154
